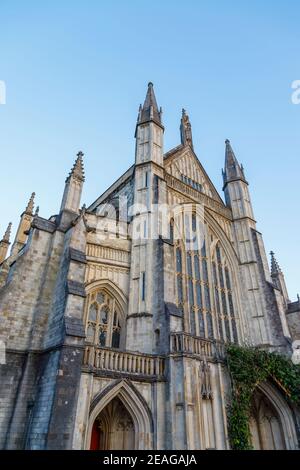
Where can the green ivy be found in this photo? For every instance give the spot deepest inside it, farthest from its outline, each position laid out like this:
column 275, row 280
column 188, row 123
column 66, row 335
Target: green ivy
column 249, row 367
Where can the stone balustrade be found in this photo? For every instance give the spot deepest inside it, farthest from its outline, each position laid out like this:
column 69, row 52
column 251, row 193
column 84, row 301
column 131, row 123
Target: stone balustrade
column 112, row 360
column 186, row 343
column 126, row 362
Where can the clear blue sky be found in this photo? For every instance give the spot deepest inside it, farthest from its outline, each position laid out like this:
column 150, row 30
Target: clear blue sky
column 76, row 72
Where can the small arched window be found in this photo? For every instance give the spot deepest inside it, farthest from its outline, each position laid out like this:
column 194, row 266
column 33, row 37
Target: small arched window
column 103, row 321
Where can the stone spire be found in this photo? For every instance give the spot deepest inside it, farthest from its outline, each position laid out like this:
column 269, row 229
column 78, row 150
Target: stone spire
column 77, row 171
column 149, row 111
column 233, row 170
column 4, row 243
column 30, row 205
column 186, row 130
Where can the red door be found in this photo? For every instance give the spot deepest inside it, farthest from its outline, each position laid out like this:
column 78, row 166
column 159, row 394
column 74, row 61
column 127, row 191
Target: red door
column 95, row 440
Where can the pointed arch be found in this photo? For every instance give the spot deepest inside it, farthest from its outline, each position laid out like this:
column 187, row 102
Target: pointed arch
column 284, row 412
column 134, row 403
column 112, row 289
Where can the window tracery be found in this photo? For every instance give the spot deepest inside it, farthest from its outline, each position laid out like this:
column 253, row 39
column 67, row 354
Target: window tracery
column 204, row 289
column 103, row 322
column 224, row 297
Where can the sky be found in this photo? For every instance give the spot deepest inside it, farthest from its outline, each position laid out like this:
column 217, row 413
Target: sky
column 75, row 73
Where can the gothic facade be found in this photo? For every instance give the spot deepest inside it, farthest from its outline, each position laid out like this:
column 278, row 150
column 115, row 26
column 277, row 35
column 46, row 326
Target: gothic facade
column 114, row 317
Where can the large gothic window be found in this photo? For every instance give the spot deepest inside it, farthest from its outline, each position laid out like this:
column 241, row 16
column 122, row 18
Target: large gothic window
column 103, row 323
column 192, row 277
column 225, row 311
column 204, row 284
column 199, row 300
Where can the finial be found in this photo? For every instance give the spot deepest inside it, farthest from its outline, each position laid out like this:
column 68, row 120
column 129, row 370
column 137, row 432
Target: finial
column 298, row 298
column 80, row 154
column 183, row 112
column 30, row 205
column 150, row 84
column 37, row 211
column 7, row 233
column 227, row 141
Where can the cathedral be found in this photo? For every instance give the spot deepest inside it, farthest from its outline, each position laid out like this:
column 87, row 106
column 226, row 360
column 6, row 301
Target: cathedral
column 115, row 316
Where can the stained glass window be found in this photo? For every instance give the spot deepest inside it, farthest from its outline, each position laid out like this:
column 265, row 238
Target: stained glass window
column 189, row 265
column 191, row 293
column 178, row 260
column 210, row 331
column 93, row 312
column 179, row 288
column 197, row 267
column 201, row 323
column 204, row 270
column 199, row 295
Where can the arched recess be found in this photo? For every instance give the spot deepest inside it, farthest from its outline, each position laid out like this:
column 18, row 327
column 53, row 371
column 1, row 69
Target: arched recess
column 135, row 405
column 280, row 420
column 108, row 287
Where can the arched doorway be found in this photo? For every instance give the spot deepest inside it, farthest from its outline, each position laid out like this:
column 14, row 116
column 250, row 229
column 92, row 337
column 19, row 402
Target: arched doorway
column 265, row 424
column 119, row 419
column 113, row 429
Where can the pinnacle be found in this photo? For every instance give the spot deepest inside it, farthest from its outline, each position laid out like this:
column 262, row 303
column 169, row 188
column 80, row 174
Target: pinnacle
column 7, row 233
column 149, row 110
column 30, row 205
column 78, row 168
column 275, row 268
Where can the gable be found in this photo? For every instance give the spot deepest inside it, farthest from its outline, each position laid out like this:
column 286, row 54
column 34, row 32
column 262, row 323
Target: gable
column 183, row 164
column 121, row 187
